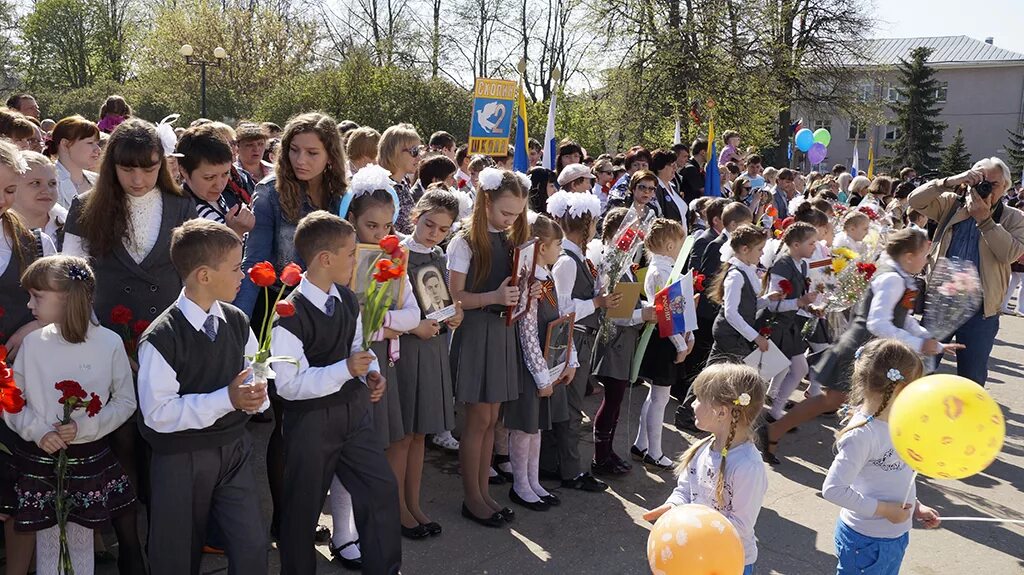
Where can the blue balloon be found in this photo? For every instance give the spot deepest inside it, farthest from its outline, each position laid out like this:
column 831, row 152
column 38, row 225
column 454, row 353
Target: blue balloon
column 804, row 140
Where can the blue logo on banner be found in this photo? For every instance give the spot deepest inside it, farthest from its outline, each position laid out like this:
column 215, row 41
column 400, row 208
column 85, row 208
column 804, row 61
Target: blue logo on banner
column 491, row 118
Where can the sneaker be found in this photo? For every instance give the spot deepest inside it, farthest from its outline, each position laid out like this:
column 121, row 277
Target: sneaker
column 445, row 442
column 1007, row 311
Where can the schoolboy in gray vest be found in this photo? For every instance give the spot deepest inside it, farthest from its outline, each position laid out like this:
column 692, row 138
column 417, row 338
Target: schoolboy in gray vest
column 327, row 421
column 195, row 397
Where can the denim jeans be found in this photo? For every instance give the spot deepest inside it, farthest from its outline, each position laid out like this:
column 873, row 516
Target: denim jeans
column 862, row 555
column 978, row 336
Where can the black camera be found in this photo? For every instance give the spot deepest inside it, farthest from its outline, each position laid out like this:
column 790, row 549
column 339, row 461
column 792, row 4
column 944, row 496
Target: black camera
column 984, row 189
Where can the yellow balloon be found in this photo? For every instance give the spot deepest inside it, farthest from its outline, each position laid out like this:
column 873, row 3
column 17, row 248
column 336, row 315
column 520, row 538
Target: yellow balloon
column 694, row 540
column 946, row 426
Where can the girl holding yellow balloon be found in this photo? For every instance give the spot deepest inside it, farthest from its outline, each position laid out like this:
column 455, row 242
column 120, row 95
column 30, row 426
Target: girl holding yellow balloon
column 868, row 478
column 729, row 398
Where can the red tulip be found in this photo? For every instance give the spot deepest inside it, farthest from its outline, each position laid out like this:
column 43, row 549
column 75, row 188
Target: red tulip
column 94, row 405
column 291, row 275
column 11, row 399
column 262, row 274
column 284, row 309
column 139, row 327
column 121, row 315
column 785, row 287
column 389, row 244
column 698, row 283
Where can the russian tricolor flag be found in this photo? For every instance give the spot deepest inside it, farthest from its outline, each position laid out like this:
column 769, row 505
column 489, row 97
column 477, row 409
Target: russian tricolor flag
column 670, row 307
column 521, row 161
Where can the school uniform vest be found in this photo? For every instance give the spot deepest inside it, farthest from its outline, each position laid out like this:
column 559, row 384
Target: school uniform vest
column 501, row 268
column 202, row 366
column 787, row 326
column 326, row 340
column 859, row 325
column 147, row 287
column 14, row 312
column 722, row 330
column 583, row 288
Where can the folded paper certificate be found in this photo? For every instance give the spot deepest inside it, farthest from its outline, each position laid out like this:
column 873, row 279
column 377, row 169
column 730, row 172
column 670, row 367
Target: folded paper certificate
column 769, row 363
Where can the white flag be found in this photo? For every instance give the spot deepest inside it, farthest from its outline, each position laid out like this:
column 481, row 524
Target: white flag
column 550, row 146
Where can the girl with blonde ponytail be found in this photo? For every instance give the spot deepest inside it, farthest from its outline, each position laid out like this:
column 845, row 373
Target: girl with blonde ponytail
column 724, row 471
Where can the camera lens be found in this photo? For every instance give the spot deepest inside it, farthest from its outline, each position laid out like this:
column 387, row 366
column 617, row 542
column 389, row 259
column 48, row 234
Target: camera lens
column 984, row 188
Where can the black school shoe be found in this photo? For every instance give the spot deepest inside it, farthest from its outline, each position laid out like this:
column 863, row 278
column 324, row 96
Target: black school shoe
column 532, row 506
column 585, row 482
column 551, row 499
column 350, row 564
column 495, row 520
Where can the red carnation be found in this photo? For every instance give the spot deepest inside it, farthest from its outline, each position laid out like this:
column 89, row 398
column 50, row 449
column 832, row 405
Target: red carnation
column 139, row 327
column 291, row 275
column 626, row 241
column 785, row 287
column 262, row 274
column 698, row 283
column 867, row 269
column 94, row 405
column 120, row 315
column 284, row 309
column 11, row 399
column 70, row 389
column 765, row 331
column 462, row 183
column 7, row 377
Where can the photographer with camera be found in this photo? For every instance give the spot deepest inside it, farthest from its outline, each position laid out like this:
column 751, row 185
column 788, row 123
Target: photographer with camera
column 974, row 224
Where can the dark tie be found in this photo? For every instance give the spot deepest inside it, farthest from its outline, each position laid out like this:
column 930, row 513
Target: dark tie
column 210, row 327
column 329, row 306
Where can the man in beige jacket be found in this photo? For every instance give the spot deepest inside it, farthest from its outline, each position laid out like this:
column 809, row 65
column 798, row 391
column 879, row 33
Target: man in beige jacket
column 985, row 231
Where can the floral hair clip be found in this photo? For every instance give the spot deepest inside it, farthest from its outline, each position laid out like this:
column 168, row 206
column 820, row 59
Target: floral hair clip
column 78, row 273
column 743, row 400
column 564, row 204
column 894, row 375
column 490, row 178
column 856, row 354
column 366, row 181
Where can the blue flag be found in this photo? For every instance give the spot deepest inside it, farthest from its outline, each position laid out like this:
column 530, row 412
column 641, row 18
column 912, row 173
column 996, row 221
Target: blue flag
column 712, row 181
column 521, row 162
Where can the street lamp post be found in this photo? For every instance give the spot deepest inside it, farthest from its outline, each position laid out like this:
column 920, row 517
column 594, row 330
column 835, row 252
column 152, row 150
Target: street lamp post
column 188, row 52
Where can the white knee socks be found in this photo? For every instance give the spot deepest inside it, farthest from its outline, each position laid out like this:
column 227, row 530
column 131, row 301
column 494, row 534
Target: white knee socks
column 519, row 456
column 534, row 467
column 343, row 520
column 80, row 545
column 652, row 418
column 786, row 386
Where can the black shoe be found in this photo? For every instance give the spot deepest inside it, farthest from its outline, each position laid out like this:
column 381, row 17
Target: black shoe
column 763, row 443
column 621, row 462
column 433, row 527
column 685, row 422
column 507, row 514
column 498, row 460
column 657, row 464
column 549, row 475
column 496, row 479
column 551, row 499
column 495, row 520
column 637, row 453
column 322, row 535
column 608, row 468
column 534, row 506
column 351, row 564
column 585, row 482
column 418, row 532
column 768, row 417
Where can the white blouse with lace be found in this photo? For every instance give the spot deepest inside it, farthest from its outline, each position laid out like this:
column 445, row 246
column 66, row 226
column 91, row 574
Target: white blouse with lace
column 144, row 215
column 529, row 340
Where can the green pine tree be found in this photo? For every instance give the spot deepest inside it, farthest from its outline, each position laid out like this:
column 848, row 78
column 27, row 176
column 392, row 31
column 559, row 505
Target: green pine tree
column 917, row 109
column 1015, row 152
column 955, row 158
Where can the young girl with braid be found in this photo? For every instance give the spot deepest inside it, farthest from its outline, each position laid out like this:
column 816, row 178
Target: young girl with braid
column 867, row 478
column 724, row 471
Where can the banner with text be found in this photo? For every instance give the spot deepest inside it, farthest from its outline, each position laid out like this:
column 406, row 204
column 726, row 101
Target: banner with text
column 493, row 110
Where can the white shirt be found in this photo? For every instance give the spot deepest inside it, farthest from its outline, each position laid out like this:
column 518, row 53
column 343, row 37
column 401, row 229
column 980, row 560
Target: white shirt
column 58, row 215
column 99, row 364
column 867, row 470
column 746, row 482
column 598, row 190
column 844, row 241
column 657, row 277
column 887, row 290
column 734, row 293
column 144, row 215
column 306, row 382
column 163, row 409
column 7, row 251
column 66, row 188
column 564, row 274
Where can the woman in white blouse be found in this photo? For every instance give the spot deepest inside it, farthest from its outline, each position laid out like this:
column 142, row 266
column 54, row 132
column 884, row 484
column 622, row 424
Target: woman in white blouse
column 75, row 143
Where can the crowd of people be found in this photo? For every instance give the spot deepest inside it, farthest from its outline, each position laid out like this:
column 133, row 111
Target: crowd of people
column 125, row 254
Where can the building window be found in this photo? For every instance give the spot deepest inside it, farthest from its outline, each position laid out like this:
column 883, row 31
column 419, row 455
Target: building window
column 893, row 94
column 822, row 123
column 892, row 132
column 858, row 131
column 940, row 92
column 866, row 91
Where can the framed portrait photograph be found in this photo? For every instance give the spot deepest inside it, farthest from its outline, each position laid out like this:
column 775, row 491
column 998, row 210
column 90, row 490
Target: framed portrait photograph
column 366, row 257
column 432, row 293
column 557, row 345
column 524, row 262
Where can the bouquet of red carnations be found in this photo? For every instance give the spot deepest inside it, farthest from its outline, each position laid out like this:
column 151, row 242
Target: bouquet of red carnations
column 619, row 255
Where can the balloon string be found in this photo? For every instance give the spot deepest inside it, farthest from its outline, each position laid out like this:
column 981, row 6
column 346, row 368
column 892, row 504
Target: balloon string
column 986, row 519
column 910, row 488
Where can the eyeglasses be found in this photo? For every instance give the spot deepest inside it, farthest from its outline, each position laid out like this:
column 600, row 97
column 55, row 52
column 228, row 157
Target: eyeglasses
column 413, row 151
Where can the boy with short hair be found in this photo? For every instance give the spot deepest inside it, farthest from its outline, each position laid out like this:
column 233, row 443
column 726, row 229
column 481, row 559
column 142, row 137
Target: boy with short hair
column 327, row 426
column 205, row 164
column 195, row 399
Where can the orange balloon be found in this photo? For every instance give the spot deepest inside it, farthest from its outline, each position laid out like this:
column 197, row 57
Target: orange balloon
column 694, row 540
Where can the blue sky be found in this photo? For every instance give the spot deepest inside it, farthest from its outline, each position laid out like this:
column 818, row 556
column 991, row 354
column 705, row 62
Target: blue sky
column 1001, row 19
